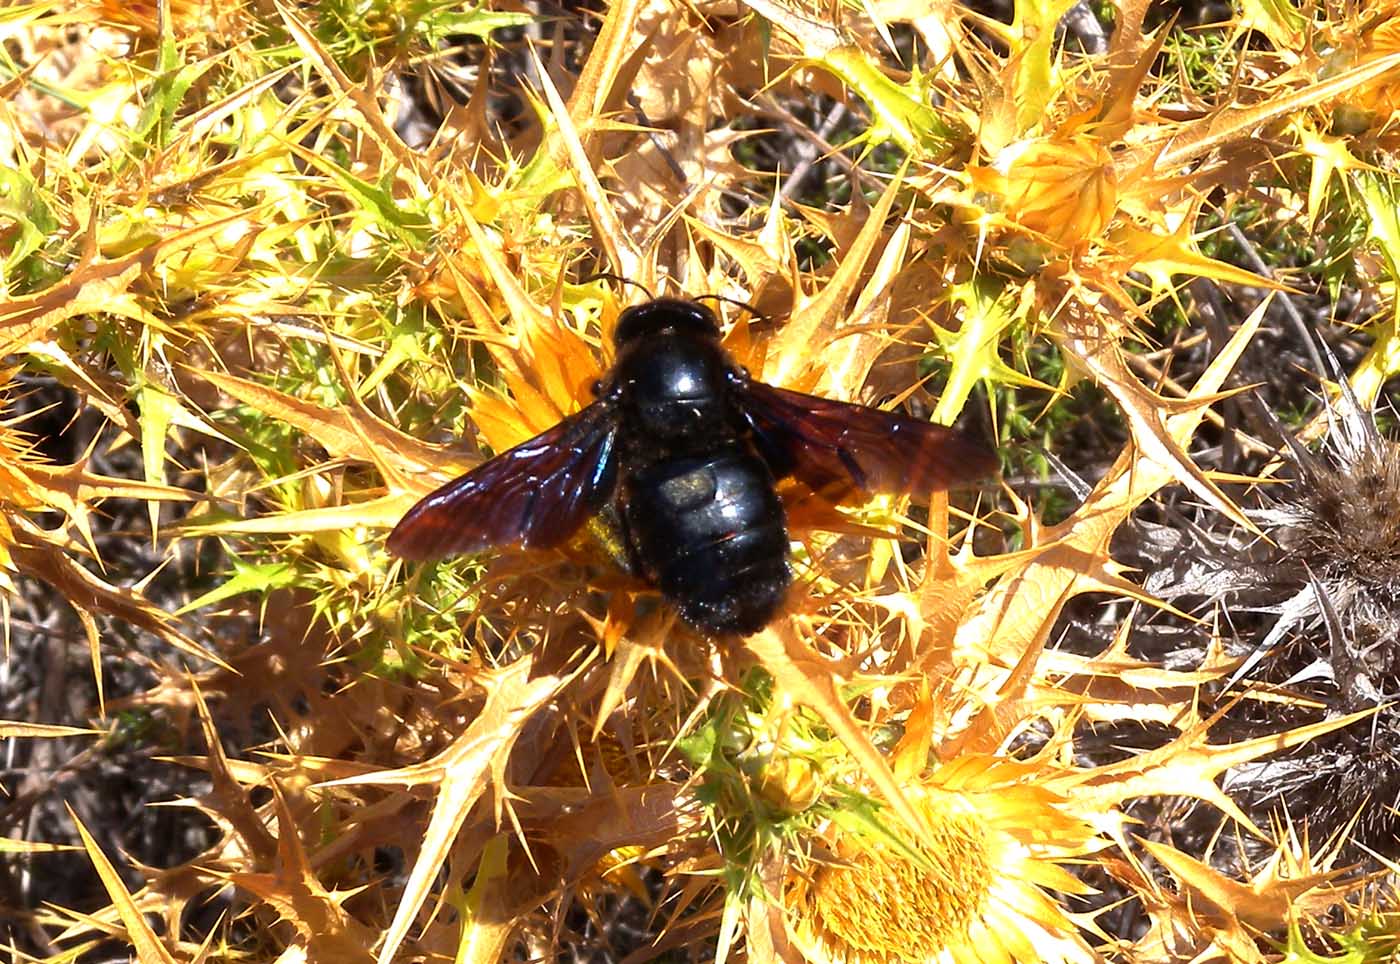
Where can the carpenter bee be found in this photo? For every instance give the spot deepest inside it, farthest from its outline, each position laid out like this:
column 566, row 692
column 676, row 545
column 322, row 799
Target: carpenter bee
column 687, row 448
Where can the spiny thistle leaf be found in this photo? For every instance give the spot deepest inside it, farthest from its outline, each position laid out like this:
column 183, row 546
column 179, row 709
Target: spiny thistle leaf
column 461, row 774
column 325, row 929
column 808, row 680
column 147, row 945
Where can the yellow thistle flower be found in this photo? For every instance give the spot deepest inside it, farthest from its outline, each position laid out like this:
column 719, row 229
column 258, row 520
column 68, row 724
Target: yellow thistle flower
column 1379, row 100
column 977, row 893
column 186, row 16
column 1063, row 188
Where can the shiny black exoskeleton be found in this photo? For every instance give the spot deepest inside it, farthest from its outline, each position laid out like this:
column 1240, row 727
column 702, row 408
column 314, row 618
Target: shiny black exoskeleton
column 690, row 449
column 699, row 506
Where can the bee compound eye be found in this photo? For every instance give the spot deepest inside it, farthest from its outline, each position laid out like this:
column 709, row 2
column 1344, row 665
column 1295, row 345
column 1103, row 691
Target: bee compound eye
column 597, row 387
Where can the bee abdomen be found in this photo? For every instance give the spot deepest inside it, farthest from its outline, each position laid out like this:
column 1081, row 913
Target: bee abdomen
column 711, row 533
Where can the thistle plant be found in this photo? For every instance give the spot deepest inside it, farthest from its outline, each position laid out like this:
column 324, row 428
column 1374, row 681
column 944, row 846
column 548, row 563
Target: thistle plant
column 298, row 264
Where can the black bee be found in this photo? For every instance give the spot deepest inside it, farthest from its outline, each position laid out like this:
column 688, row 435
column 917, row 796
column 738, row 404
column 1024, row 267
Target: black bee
column 690, row 448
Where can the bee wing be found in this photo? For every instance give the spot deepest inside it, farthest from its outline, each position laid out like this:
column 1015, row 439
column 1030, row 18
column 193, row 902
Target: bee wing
column 536, row 494
column 831, row 445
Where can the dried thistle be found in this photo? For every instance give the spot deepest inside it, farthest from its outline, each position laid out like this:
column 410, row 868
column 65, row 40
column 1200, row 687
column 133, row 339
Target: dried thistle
column 1337, row 527
column 1330, row 573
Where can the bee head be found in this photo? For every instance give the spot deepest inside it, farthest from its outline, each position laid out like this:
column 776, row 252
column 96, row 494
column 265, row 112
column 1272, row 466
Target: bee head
column 665, row 315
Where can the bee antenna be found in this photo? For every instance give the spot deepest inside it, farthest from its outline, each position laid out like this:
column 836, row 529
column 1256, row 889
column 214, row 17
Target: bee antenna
column 620, row 280
column 738, row 304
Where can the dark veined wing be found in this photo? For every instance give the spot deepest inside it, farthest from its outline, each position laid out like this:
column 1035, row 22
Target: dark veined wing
column 834, row 446
column 536, row 494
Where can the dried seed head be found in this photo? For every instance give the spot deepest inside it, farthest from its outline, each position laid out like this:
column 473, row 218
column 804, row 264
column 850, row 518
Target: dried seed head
column 1335, row 580
column 1343, row 523
column 1331, row 578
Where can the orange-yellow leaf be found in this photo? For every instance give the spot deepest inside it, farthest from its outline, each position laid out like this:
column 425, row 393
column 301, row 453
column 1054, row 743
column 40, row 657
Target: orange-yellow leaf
column 323, row 926
column 383, row 512
column 1075, row 553
column 338, row 429
column 95, row 286
column 12, row 729
column 86, row 592
column 793, row 357
column 149, row 948
column 1230, row 903
column 461, row 774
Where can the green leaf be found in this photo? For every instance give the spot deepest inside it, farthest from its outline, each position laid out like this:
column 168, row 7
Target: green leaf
column 860, row 815
column 21, row 202
column 158, row 412
column 1279, row 20
column 1383, row 227
column 167, row 93
column 902, row 114
column 375, row 202
column 446, row 21
column 1383, row 230
column 247, row 578
column 988, row 316
column 1034, row 56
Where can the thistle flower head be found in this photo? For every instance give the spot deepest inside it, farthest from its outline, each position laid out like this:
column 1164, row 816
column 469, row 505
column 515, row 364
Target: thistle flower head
column 1062, row 187
column 1340, row 519
column 970, row 891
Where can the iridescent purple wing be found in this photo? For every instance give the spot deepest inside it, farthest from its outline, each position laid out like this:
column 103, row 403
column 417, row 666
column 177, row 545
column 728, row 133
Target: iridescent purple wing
column 536, row 494
column 834, row 446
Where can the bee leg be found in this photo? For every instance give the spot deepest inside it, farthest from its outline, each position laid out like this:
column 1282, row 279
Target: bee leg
column 609, row 528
